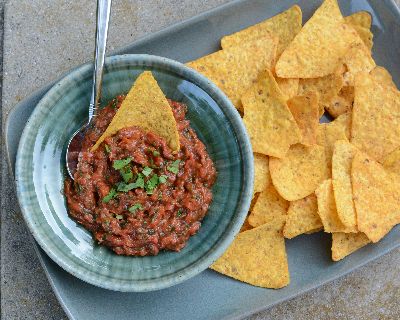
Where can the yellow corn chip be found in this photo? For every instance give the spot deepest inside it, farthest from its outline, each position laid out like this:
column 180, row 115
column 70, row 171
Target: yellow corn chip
column 236, row 68
column 257, row 256
column 298, row 174
column 366, row 36
column 305, row 111
column 327, row 209
column 391, row 162
column 342, row 103
column 344, row 244
column 343, row 154
column 329, row 133
column 302, row 217
column 317, row 49
column 285, row 26
column 376, row 117
column 357, row 59
column 289, row 87
column 246, row 226
column 270, row 125
column 262, row 179
column 145, row 106
column 344, row 120
column 268, row 205
column 326, row 88
column 383, row 77
column 376, row 195
column 315, row 230
column 360, row 18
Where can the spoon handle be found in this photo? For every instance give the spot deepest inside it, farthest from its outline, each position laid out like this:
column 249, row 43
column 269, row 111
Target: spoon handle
column 103, row 17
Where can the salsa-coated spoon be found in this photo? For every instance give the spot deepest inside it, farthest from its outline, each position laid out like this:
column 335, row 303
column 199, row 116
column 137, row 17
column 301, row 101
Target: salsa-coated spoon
column 75, row 143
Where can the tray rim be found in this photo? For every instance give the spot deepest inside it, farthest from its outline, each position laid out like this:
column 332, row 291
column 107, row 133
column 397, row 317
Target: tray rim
column 391, row 4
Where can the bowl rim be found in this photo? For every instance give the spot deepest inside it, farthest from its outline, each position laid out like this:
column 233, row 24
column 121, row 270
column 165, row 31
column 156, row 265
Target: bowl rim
column 245, row 149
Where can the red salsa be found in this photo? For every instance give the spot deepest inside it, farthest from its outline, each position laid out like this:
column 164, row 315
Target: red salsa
column 134, row 194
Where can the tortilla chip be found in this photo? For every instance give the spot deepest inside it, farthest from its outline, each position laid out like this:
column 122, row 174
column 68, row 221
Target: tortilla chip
column 270, row 125
column 366, row 36
column 342, row 103
column 285, row 26
column 383, row 77
column 316, row 50
column 327, row 209
column 315, row 230
column 145, row 106
column 262, row 179
column 289, row 87
column 391, row 162
column 376, row 117
column 356, row 60
column 328, row 134
column 326, row 88
column 344, row 121
column 343, row 154
column 305, row 111
column 344, row 244
column 236, row 68
column 268, row 205
column 360, row 18
column 246, row 226
column 376, row 195
column 302, row 217
column 257, row 257
column 299, row 174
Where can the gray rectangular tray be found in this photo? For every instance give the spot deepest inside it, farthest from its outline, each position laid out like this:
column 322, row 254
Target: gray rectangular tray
column 210, row 295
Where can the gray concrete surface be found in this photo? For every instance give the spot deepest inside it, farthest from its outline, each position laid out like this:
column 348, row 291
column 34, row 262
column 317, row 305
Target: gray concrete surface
column 43, row 39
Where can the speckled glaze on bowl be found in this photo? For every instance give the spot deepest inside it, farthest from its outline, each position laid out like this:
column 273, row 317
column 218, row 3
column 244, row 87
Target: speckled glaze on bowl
column 40, row 172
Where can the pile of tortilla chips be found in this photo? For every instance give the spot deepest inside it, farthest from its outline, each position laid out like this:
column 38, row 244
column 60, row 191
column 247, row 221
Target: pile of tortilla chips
column 341, row 177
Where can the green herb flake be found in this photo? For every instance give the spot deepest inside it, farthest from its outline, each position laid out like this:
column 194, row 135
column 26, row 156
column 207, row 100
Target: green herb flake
column 107, row 148
column 156, row 153
column 179, row 213
column 163, row 178
column 119, row 164
column 135, row 207
column 147, row 171
column 151, row 184
column 119, row 216
column 112, row 194
column 126, row 174
column 174, row 166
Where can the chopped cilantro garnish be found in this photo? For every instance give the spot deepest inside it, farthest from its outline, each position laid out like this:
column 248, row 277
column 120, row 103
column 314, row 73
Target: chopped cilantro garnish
column 179, row 213
column 174, row 166
column 125, row 187
column 107, row 147
column 119, row 217
column 156, row 153
column 146, row 171
column 135, row 207
column 163, row 178
column 151, row 184
column 139, row 183
column 119, row 164
column 126, row 174
column 110, row 195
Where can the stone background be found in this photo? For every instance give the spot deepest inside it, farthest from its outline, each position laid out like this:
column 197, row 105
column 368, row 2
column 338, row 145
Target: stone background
column 45, row 38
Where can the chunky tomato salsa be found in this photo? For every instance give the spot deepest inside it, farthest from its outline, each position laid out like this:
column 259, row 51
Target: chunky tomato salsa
column 134, row 194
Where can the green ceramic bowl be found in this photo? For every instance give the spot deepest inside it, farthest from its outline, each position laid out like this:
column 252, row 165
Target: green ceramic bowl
column 40, row 172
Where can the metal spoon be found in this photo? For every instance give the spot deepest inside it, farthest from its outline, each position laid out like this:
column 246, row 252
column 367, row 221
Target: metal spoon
column 75, row 143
